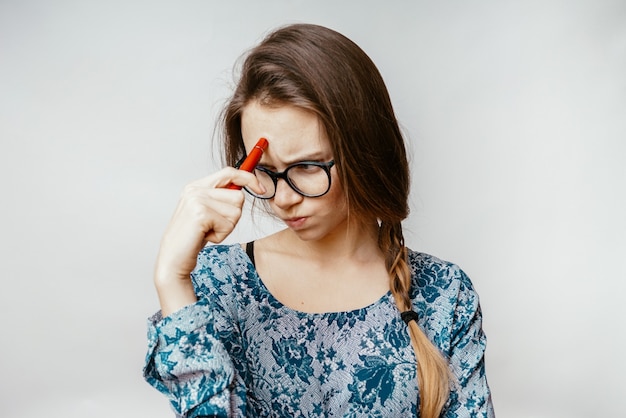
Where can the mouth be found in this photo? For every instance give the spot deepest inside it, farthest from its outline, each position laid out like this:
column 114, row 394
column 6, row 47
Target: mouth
column 295, row 223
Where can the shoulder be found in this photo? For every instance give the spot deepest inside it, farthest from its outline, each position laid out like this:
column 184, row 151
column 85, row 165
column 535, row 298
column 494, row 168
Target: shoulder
column 221, row 253
column 443, row 295
column 220, row 265
column 430, row 271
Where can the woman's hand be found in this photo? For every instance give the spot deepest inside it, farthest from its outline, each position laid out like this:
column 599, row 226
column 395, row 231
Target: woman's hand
column 207, row 212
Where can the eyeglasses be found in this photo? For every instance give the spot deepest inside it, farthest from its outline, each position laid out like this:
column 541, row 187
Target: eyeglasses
column 308, row 178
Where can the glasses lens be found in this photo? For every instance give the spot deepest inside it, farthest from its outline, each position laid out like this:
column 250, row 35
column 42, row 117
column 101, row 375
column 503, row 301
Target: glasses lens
column 309, row 179
column 267, row 182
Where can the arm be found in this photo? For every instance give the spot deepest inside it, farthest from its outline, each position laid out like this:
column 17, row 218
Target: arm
column 207, row 212
column 195, row 355
column 470, row 395
column 187, row 359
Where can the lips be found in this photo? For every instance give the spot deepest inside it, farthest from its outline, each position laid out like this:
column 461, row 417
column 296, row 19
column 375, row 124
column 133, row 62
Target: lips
column 295, row 223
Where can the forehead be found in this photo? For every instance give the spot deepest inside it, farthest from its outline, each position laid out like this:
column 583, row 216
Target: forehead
column 294, row 134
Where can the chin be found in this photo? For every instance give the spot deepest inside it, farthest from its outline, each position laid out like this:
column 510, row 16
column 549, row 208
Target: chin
column 318, row 232
column 306, row 235
column 309, row 234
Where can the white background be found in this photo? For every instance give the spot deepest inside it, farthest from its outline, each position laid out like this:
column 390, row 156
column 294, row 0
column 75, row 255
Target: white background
column 515, row 112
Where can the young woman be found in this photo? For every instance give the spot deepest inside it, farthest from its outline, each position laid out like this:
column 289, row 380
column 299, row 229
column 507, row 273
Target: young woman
column 332, row 316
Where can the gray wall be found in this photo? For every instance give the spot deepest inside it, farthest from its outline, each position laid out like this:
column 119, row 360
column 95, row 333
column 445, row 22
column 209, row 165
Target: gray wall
column 515, row 114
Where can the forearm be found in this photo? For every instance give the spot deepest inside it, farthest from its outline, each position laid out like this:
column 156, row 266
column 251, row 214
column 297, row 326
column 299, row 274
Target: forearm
column 174, row 294
column 186, row 362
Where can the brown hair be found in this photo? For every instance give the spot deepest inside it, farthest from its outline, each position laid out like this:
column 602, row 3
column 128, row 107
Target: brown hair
column 322, row 71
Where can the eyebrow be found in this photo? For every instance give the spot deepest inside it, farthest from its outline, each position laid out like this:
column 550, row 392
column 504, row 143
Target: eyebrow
column 316, row 156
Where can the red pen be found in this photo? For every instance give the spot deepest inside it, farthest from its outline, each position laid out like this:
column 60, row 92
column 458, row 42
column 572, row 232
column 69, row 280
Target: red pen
column 251, row 160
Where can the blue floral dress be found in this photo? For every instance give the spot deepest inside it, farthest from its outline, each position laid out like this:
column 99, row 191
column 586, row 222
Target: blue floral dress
column 238, row 352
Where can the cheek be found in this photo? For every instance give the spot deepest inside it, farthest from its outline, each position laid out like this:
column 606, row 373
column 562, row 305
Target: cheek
column 336, row 198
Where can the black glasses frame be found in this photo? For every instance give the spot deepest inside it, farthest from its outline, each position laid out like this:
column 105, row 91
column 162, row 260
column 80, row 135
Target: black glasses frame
column 275, row 176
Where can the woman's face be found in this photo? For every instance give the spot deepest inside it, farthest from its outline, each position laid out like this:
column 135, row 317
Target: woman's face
column 296, row 135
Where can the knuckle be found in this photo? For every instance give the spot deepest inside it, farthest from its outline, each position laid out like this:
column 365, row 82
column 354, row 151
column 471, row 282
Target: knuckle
column 240, row 199
column 186, row 190
column 218, row 238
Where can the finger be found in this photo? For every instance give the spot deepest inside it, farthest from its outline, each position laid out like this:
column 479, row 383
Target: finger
column 228, row 176
column 218, row 219
column 206, row 208
column 209, row 196
column 247, row 180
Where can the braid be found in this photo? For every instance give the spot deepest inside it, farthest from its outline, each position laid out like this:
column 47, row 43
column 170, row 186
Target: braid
column 433, row 375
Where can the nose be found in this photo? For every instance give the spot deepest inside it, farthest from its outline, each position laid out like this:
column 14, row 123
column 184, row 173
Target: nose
column 285, row 196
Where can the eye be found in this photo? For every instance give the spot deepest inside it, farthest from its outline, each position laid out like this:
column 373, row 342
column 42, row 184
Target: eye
column 264, row 167
column 307, row 167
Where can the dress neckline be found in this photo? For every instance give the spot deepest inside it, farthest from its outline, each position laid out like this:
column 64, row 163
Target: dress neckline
column 249, row 254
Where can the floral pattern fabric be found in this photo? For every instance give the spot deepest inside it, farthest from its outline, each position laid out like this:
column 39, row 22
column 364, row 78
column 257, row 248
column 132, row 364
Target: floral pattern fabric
column 238, row 352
